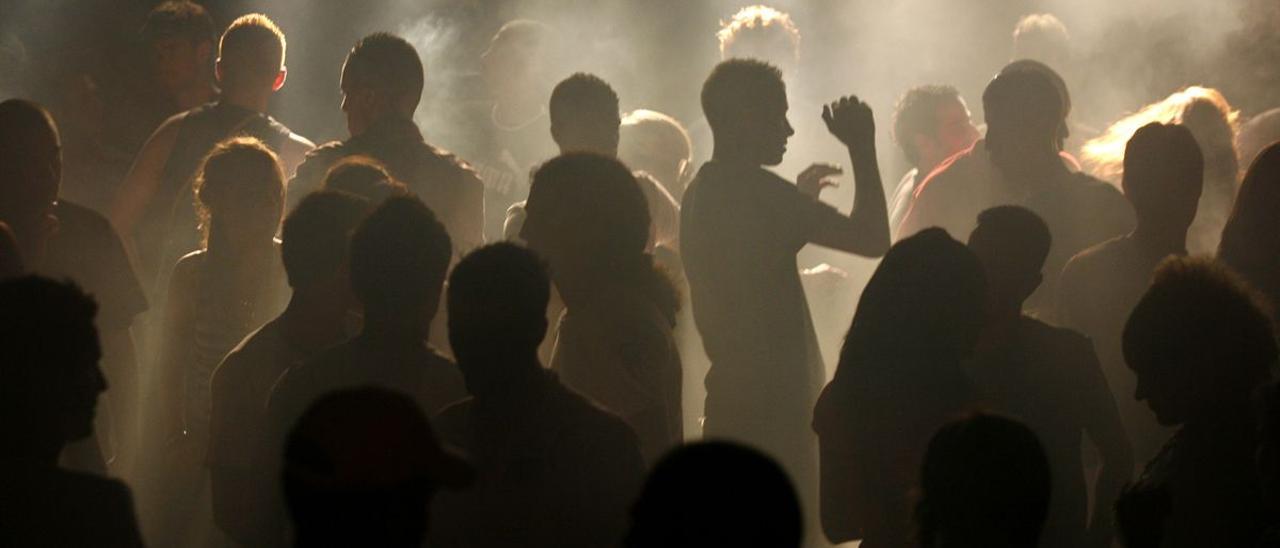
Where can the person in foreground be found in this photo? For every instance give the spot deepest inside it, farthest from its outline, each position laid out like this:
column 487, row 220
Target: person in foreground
column 49, row 387
column 553, row 469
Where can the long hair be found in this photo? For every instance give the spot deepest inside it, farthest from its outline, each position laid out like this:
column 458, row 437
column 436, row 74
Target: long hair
column 237, row 172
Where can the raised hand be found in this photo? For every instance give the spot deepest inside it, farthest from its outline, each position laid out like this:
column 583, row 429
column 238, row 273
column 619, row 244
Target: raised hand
column 817, row 177
column 851, row 121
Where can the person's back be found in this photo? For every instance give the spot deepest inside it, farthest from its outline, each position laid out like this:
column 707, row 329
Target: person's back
column 1100, row 286
column 154, row 205
column 898, row 380
column 382, row 82
column 1019, row 164
column 1201, row 347
column 1250, row 245
column 1046, row 376
column 49, row 386
column 552, row 468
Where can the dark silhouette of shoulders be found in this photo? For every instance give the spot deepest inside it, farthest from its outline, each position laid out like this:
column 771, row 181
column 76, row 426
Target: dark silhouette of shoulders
column 88, row 510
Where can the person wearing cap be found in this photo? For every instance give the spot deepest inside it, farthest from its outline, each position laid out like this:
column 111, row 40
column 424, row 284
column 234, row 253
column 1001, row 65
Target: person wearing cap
column 552, row 468
column 360, row 469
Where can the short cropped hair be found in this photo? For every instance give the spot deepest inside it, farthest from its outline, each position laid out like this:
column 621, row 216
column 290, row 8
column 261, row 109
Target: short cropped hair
column 1038, row 34
column 736, row 87
column 507, row 287
column 917, row 114
column 1024, row 237
column 238, row 171
column 179, row 18
column 1026, row 99
column 582, row 94
column 755, row 27
column 253, row 46
column 399, row 255
column 653, row 130
column 316, row 235
column 386, row 64
column 364, row 176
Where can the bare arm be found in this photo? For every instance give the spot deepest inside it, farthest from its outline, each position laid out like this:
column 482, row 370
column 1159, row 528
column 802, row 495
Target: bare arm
column 865, row 231
column 143, row 179
column 176, row 347
column 1102, row 424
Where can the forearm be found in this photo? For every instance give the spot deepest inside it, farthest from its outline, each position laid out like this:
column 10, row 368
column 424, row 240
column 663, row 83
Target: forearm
column 870, row 214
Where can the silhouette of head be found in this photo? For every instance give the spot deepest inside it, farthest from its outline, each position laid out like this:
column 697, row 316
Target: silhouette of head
column 584, row 115
column 497, row 307
column 1251, row 238
column 49, row 376
column 364, row 176
column 1025, row 116
column 518, row 59
column 251, row 54
column 1163, row 176
column 361, row 467
column 382, row 77
column 716, row 493
column 1012, row 244
column 399, row 256
column 984, row 483
column 761, row 32
column 1198, row 342
column 923, row 303
column 659, row 145
column 30, row 173
column 1042, row 37
column 585, row 214
column 930, row 124
column 240, row 193
column 181, row 36
column 745, row 103
column 1256, row 134
column 315, row 240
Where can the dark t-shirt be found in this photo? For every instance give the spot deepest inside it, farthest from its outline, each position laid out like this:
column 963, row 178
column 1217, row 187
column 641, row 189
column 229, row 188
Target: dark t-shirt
column 1050, row 379
column 446, row 184
column 741, row 227
column 1097, row 292
column 563, row 477
column 55, row 508
column 1081, row 211
column 87, row 250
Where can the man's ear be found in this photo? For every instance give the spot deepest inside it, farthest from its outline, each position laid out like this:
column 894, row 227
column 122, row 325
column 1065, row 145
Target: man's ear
column 280, row 78
column 217, row 69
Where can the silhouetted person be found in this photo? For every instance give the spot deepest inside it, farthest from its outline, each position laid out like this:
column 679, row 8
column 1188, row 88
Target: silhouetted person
column 1256, row 134
column 984, row 483
column 49, row 387
column 716, row 494
column 364, row 177
column 658, row 145
column 589, row 219
column 1019, row 164
column 505, row 129
column 382, row 82
column 1042, row 37
column 1251, row 240
column 217, row 296
column 360, row 469
column 1200, row 346
column 898, row 380
column 154, row 204
column 585, row 118
column 1049, row 378
column 930, row 124
column 741, row 227
column 552, row 468
column 314, row 252
column 1163, row 174
column 181, row 42
column 62, row 239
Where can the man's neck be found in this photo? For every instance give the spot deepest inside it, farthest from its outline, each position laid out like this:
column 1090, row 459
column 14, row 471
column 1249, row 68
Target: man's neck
column 194, row 96
column 730, row 154
column 255, row 100
column 313, row 322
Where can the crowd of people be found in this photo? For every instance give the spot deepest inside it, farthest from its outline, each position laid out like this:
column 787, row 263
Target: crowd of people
column 257, row 341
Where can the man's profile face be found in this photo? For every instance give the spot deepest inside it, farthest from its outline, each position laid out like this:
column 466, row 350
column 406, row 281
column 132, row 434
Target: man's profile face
column 355, row 105
column 956, row 131
column 765, row 128
column 1163, row 389
column 177, row 62
column 81, row 383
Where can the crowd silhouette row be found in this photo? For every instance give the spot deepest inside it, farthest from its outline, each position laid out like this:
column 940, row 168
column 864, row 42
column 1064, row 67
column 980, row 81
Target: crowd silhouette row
column 374, row 342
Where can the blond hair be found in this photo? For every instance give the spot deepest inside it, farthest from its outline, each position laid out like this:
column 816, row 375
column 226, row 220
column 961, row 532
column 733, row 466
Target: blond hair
column 760, row 25
column 254, row 45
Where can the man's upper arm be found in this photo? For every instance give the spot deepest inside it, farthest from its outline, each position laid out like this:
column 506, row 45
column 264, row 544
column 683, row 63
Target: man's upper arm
column 295, row 149
column 144, row 175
